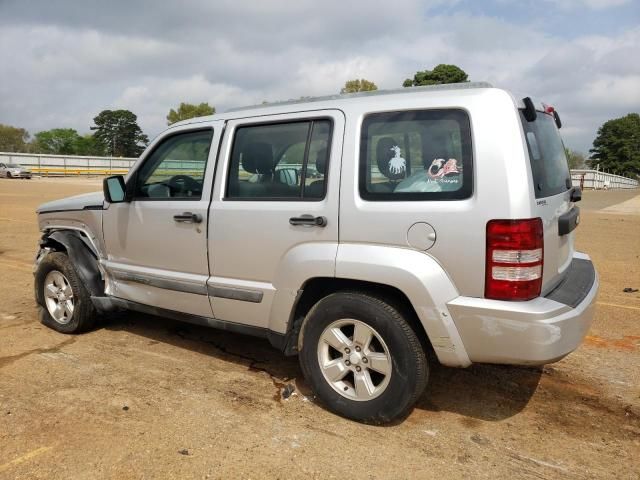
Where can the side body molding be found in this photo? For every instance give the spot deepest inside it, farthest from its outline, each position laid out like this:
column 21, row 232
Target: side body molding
column 421, row 279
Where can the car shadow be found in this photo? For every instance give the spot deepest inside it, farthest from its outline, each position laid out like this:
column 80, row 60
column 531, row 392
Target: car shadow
column 480, row 392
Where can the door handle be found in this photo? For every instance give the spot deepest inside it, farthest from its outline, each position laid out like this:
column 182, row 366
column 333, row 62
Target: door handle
column 188, row 217
column 309, row 220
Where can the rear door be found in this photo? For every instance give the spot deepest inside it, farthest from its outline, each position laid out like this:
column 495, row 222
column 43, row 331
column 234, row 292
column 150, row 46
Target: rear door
column 552, row 185
column 275, row 205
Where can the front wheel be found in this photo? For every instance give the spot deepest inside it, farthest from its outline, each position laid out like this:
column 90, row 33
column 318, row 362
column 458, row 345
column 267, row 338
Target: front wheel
column 65, row 304
column 362, row 358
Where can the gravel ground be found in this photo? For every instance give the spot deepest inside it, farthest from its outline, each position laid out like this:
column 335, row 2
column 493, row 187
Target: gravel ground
column 144, row 397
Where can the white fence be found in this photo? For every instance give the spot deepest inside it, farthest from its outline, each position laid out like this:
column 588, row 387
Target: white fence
column 600, row 180
column 61, row 165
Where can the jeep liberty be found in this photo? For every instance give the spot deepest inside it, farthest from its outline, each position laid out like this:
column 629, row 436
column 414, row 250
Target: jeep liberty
column 369, row 234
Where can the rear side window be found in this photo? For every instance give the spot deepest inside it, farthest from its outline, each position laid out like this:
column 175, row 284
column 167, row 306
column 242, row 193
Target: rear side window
column 549, row 164
column 416, row 155
column 283, row 161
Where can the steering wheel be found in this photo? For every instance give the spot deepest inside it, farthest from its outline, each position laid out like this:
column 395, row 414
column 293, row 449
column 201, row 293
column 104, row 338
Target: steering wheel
column 183, row 183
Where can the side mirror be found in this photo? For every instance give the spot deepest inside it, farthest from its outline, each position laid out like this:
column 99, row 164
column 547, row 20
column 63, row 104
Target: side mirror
column 114, row 189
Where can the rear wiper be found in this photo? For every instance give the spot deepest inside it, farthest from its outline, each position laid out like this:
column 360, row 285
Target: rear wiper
column 529, row 111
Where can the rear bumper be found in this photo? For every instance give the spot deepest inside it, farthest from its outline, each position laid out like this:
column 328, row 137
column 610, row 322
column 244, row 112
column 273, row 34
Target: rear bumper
column 536, row 332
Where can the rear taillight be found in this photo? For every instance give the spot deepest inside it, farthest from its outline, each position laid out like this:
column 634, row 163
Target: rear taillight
column 515, row 255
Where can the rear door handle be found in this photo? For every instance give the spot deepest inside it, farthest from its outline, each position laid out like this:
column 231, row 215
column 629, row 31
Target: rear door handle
column 188, row 217
column 309, row 220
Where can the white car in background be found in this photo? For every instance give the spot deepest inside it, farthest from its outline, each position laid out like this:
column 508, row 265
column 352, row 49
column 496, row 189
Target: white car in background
column 13, row 170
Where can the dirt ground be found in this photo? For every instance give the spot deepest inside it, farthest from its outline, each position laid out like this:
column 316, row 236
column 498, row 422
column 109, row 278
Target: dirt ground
column 144, row 397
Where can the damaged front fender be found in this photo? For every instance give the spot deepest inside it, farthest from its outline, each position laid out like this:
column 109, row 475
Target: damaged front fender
column 81, row 253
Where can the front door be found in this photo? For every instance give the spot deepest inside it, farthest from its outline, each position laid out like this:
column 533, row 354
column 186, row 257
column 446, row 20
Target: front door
column 157, row 242
column 274, row 212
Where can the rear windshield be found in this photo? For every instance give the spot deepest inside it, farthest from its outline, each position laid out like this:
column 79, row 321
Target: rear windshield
column 546, row 152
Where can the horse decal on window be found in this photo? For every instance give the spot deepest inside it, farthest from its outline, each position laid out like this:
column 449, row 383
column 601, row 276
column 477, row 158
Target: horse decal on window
column 397, row 164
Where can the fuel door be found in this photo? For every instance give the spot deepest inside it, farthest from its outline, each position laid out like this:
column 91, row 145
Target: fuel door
column 421, row 236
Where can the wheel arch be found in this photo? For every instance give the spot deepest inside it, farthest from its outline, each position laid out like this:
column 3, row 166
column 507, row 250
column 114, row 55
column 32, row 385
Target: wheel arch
column 317, row 288
column 81, row 253
column 411, row 280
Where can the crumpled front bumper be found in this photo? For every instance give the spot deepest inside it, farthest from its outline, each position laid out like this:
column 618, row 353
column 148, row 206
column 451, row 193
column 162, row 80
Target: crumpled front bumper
column 535, row 332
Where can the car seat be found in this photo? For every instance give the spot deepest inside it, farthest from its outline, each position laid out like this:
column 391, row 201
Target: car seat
column 316, row 189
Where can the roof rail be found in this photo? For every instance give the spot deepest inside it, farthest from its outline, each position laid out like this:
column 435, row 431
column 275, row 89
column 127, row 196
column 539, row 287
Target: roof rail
column 344, row 96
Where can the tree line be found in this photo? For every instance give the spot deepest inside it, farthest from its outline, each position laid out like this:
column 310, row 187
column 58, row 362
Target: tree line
column 116, row 133
column 616, row 147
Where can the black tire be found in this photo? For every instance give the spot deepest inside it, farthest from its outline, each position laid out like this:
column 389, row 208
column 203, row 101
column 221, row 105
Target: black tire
column 409, row 373
column 84, row 313
column 9, row 175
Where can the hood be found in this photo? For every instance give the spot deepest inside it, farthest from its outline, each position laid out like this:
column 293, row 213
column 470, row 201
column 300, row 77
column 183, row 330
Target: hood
column 87, row 201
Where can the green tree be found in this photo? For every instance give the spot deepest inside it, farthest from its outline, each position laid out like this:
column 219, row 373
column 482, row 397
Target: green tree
column 13, row 139
column 358, row 85
column 58, row 141
column 575, row 159
column 442, row 73
column 118, row 133
column 617, row 147
column 189, row 110
column 88, row 145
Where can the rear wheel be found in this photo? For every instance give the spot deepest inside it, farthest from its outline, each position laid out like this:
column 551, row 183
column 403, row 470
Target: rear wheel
column 65, row 303
column 362, row 358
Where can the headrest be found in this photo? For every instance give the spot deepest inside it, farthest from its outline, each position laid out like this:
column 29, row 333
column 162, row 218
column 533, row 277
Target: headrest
column 384, row 154
column 321, row 160
column 257, row 157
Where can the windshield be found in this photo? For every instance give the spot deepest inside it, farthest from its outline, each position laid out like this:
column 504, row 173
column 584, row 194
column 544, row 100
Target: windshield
column 547, row 155
column 13, row 165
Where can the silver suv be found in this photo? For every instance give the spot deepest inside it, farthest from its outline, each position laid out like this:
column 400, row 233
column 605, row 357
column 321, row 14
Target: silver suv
column 361, row 232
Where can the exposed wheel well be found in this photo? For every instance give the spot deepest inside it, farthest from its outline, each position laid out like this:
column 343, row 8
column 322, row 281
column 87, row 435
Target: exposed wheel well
column 318, row 288
column 73, row 243
column 53, row 245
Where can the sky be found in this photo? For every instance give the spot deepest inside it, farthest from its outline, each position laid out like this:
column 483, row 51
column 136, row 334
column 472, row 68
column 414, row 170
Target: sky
column 63, row 62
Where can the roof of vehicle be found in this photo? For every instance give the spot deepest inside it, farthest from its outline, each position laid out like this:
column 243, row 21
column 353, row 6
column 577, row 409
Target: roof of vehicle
column 331, row 101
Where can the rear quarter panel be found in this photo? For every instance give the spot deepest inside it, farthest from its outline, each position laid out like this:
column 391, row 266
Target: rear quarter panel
column 502, row 186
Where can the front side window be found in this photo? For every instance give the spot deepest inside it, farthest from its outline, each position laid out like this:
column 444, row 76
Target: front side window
column 283, row 161
column 416, row 155
column 176, row 168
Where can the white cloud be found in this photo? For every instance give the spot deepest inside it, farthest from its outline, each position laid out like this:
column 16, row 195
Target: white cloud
column 156, row 96
column 591, row 4
column 71, row 62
